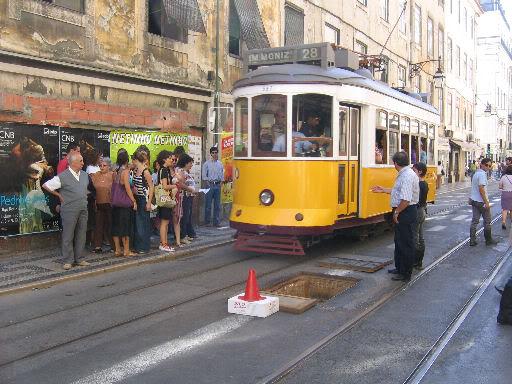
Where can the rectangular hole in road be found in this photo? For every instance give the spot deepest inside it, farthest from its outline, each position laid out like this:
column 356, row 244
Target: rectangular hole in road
column 353, row 264
column 301, row 292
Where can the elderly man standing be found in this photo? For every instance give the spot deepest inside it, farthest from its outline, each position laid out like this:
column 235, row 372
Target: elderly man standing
column 71, row 188
column 404, row 200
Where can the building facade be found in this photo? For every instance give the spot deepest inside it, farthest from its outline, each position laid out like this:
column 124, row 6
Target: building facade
column 494, row 74
column 79, row 69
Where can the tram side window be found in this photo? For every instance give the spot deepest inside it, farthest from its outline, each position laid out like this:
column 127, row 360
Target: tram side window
column 312, row 125
column 423, row 150
column 354, row 131
column 343, row 130
column 431, row 139
column 241, row 127
column 381, row 143
column 394, row 127
column 415, row 130
column 405, row 127
column 269, row 126
column 393, row 145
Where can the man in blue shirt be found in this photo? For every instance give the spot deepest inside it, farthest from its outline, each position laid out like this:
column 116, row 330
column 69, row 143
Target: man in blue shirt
column 213, row 175
column 479, row 201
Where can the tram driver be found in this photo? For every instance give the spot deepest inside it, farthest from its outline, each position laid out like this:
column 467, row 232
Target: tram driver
column 301, row 146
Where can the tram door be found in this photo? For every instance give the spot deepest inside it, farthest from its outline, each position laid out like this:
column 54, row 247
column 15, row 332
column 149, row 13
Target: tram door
column 348, row 166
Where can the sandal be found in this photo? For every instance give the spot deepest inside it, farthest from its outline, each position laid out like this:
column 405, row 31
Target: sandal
column 97, row 250
column 130, row 254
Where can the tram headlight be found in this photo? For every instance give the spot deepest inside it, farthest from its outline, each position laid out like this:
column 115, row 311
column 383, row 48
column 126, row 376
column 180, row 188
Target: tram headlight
column 266, row 197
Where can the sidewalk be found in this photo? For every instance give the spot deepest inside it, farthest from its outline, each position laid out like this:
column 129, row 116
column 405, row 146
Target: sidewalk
column 33, row 270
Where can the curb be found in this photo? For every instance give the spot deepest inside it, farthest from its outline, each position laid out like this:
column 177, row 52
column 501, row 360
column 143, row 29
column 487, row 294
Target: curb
column 46, row 283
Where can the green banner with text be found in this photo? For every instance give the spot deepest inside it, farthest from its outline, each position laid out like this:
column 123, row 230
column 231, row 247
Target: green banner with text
column 154, row 141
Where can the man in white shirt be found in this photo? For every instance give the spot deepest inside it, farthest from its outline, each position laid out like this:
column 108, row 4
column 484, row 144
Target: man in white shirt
column 70, row 187
column 404, row 199
column 479, row 201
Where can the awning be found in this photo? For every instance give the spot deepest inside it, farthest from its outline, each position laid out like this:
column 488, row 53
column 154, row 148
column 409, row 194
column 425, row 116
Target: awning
column 185, row 13
column 253, row 31
column 468, row 147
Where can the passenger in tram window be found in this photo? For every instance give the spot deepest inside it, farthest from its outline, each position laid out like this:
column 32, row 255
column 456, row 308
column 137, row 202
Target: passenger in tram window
column 414, row 156
column 423, row 154
column 380, row 146
column 311, row 127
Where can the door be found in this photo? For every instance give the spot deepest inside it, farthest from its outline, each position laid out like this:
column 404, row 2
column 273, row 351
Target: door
column 348, row 164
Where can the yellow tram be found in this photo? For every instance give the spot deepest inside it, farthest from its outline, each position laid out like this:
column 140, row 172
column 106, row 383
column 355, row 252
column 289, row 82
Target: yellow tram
column 311, row 138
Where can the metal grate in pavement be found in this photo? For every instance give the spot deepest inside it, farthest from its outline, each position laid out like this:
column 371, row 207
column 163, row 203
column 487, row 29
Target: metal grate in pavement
column 369, row 266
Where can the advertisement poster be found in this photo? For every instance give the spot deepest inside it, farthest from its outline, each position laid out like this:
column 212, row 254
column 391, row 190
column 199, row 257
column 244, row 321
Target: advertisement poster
column 28, row 158
column 154, row 141
column 90, row 140
column 194, row 150
column 226, row 157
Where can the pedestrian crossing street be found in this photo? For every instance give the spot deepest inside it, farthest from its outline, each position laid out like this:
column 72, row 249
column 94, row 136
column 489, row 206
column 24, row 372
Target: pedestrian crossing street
column 461, row 216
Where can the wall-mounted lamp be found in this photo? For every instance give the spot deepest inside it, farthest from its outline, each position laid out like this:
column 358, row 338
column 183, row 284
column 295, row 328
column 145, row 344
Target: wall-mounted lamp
column 416, row 68
column 488, row 110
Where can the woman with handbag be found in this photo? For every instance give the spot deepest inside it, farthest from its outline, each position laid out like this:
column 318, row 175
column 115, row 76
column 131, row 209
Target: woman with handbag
column 143, row 189
column 184, row 165
column 164, row 159
column 123, row 205
column 177, row 180
column 505, row 185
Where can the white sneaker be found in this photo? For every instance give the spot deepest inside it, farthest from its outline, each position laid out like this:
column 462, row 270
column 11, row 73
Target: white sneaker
column 166, row 248
column 185, row 240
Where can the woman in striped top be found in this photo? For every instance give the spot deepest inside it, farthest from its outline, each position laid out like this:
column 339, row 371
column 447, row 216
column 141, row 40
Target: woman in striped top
column 143, row 185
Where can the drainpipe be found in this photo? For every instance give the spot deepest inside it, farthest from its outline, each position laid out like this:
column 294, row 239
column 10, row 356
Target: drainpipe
column 217, row 82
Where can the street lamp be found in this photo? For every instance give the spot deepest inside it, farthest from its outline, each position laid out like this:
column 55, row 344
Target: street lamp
column 416, row 68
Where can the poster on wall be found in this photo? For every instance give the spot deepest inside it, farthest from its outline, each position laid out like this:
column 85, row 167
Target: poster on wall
column 28, row 158
column 154, row 141
column 226, row 157
column 194, row 150
column 90, row 141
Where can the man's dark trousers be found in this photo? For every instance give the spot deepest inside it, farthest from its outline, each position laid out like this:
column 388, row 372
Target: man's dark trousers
column 213, row 196
column 505, row 314
column 405, row 247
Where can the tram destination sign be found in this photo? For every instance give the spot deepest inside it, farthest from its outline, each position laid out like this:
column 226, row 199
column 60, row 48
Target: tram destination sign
column 319, row 54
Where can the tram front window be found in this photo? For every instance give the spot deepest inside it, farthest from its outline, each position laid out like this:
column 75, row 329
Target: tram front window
column 269, row 126
column 241, row 131
column 312, row 125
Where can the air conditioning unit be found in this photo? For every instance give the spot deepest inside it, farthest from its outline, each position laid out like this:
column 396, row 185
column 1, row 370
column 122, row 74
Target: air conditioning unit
column 448, row 133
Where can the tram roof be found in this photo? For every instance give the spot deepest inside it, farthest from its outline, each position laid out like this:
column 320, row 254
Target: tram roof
column 310, row 74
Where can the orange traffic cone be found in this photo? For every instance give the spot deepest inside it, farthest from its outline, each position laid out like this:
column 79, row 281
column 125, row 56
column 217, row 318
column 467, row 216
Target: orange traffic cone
column 252, row 292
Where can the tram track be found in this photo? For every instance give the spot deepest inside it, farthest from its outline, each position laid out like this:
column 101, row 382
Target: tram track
column 278, row 375
column 324, row 342
column 147, row 314
column 126, row 292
